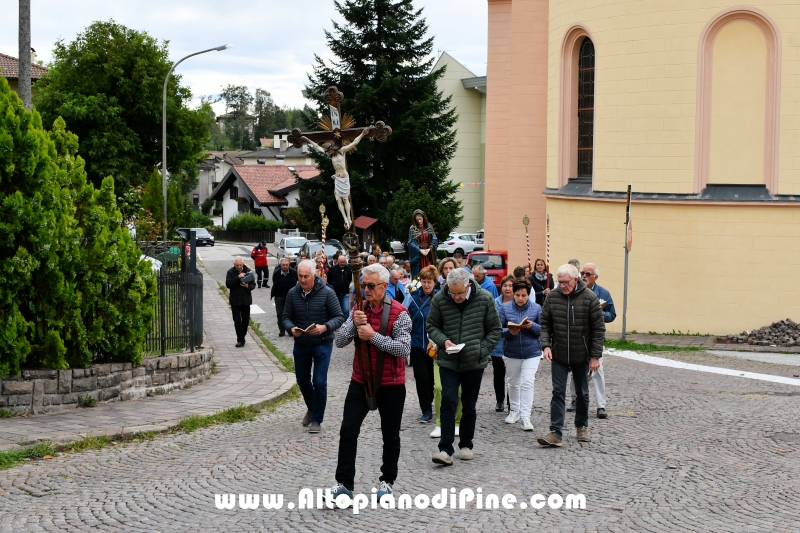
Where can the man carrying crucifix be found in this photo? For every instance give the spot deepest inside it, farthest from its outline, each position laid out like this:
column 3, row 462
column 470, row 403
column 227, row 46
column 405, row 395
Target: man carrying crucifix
column 385, row 326
column 342, row 188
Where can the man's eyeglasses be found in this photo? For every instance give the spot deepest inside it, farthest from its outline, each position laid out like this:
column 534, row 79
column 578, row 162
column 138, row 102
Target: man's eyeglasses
column 564, row 283
column 458, row 294
column 587, row 274
column 371, row 286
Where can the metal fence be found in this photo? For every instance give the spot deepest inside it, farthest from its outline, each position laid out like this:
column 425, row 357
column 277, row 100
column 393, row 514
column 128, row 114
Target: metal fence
column 178, row 322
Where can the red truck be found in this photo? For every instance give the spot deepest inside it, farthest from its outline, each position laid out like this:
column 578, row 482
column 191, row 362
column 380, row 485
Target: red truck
column 494, row 261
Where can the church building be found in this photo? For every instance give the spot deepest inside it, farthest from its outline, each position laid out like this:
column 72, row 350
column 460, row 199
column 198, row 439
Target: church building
column 697, row 106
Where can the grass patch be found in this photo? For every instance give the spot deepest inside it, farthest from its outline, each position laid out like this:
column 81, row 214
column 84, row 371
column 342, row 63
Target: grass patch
column 35, row 451
column 86, row 401
column 240, row 413
column 89, row 442
column 6, row 414
column 287, row 362
column 635, row 346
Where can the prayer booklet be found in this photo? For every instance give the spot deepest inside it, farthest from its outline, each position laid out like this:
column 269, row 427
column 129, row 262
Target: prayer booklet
column 515, row 325
column 308, row 329
column 455, row 349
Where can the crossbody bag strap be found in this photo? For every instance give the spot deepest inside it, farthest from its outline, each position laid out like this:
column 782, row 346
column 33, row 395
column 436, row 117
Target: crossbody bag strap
column 387, row 308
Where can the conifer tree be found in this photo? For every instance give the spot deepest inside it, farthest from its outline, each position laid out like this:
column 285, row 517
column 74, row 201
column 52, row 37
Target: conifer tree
column 384, row 68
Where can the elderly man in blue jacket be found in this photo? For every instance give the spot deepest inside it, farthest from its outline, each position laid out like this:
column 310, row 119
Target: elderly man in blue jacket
column 589, row 275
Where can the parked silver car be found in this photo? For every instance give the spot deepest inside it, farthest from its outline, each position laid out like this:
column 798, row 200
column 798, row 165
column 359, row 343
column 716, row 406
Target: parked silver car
column 289, row 247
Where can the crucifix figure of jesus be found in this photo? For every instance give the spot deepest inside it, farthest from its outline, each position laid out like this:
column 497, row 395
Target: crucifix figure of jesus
column 339, row 137
column 342, row 187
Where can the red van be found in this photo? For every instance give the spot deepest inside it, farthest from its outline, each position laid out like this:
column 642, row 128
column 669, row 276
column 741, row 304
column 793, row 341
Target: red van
column 494, row 261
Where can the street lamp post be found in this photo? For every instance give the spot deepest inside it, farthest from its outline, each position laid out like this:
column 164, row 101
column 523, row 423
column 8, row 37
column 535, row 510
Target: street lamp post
column 164, row 132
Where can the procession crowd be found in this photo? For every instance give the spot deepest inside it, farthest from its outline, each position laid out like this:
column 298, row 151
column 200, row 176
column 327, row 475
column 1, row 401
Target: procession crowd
column 449, row 322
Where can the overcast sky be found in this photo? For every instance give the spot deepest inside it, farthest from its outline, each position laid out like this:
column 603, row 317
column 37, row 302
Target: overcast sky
column 274, row 42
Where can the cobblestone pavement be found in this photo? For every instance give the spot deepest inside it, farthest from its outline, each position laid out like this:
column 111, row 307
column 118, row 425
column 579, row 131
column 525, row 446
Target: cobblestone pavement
column 244, row 376
column 680, row 451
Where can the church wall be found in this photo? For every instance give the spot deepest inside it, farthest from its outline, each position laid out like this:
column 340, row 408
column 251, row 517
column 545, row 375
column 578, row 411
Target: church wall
column 710, row 269
column 498, row 113
column 646, row 89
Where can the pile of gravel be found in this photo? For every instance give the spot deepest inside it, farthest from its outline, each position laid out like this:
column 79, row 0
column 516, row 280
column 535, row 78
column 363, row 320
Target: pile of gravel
column 782, row 333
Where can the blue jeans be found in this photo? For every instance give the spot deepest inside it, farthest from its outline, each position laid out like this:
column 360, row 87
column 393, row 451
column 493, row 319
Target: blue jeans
column 470, row 383
column 560, row 374
column 344, row 302
column 314, row 390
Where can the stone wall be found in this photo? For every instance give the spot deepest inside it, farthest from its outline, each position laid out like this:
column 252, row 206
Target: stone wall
column 41, row 391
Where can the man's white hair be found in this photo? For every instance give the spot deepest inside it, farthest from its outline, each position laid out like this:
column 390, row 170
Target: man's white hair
column 380, row 270
column 568, row 270
column 596, row 268
column 458, row 277
column 479, row 269
column 238, row 258
column 285, row 259
column 309, row 264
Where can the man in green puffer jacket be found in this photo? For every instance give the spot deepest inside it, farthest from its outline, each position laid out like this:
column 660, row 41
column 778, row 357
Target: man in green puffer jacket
column 573, row 335
column 462, row 313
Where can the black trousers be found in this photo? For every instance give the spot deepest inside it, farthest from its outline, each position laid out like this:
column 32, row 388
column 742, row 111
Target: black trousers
column 241, row 319
column 423, row 375
column 560, row 374
column 280, row 303
column 262, row 273
column 390, row 407
column 499, row 368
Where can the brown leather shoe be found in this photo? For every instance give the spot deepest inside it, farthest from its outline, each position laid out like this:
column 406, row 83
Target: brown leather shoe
column 551, row 439
column 307, row 418
column 315, row 427
column 583, row 434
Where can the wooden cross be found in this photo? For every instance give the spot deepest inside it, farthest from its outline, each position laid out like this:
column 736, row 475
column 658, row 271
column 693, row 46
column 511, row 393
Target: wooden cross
column 334, row 135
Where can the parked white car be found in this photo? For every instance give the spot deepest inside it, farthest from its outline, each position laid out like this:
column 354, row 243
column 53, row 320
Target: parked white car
column 463, row 243
column 289, row 247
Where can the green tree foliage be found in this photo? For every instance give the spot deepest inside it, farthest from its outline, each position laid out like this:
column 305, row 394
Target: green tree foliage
column 297, row 218
column 251, row 222
column 72, row 286
column 107, row 84
column 179, row 212
column 216, row 139
column 383, row 66
column 238, row 116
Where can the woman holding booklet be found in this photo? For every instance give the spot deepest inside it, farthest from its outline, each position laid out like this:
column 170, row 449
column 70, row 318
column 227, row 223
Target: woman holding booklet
column 521, row 319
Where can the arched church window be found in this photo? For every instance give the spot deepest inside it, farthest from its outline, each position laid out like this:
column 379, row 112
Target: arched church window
column 586, row 108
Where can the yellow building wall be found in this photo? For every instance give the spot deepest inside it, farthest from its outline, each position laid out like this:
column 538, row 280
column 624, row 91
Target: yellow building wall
column 702, row 269
column 646, row 88
column 467, row 165
column 738, row 86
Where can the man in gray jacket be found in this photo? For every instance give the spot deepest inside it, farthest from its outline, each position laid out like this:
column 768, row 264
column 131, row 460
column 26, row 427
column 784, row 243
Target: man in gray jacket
column 573, row 335
column 312, row 302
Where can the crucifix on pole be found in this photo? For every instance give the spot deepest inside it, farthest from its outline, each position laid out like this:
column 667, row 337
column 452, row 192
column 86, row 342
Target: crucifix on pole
column 338, row 137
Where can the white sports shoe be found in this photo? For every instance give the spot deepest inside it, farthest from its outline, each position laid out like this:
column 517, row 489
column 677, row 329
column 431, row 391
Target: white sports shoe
column 512, row 418
column 436, row 433
column 456, row 431
column 526, row 424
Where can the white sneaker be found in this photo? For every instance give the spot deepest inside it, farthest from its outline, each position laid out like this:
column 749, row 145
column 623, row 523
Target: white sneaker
column 436, row 433
column 526, row 424
column 512, row 418
column 456, row 431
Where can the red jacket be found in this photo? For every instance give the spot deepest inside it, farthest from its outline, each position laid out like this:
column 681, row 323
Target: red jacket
column 394, row 368
column 259, row 256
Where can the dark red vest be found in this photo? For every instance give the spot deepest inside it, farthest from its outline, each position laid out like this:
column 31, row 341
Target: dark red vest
column 394, row 368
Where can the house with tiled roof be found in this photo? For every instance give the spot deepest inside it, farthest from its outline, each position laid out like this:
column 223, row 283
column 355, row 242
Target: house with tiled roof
column 267, row 190
column 9, row 69
column 213, row 169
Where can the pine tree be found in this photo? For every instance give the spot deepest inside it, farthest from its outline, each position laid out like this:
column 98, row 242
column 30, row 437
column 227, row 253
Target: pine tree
column 383, row 67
